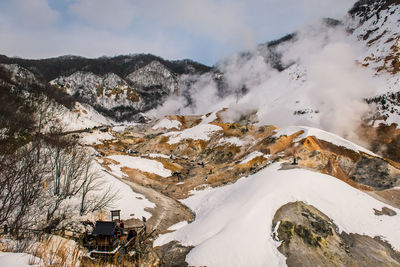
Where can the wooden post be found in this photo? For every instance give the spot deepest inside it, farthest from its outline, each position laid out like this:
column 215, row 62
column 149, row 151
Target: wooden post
column 116, row 214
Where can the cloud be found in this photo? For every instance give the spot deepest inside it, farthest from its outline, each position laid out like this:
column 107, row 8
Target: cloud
column 316, row 8
column 203, row 30
column 32, row 13
column 219, row 20
column 116, row 14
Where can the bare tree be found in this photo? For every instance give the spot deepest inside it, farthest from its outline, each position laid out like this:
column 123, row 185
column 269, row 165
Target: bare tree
column 43, row 192
column 21, row 184
column 72, row 178
column 94, row 196
column 45, row 178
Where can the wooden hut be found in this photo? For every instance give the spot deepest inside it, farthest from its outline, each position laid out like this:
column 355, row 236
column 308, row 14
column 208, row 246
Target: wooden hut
column 106, row 236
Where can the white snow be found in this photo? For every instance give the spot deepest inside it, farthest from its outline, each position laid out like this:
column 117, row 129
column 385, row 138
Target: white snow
column 114, row 91
column 128, row 201
column 53, row 250
column 119, row 128
column 322, row 135
column 393, row 118
column 95, row 138
column 233, row 225
column 178, row 225
column 199, row 132
column 252, row 156
column 153, row 74
column 87, row 117
column 207, row 119
column 142, row 164
column 9, row 259
column 231, row 141
column 157, row 155
column 167, row 124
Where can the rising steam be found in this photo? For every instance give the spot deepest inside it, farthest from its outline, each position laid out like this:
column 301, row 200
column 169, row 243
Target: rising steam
column 322, row 86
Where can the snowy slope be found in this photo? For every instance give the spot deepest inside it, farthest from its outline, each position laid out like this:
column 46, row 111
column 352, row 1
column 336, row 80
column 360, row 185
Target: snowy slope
column 83, row 116
column 19, row 74
column 322, row 135
column 145, row 165
column 19, row 260
column 226, row 141
column 108, row 91
column 128, row 201
column 252, row 156
column 167, row 124
column 376, row 26
column 233, row 225
column 199, row 132
column 154, row 75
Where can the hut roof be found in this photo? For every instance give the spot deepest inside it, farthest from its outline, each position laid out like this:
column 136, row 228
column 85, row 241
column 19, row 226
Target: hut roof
column 104, row 228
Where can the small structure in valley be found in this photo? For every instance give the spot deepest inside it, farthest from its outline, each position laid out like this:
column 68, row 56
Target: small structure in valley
column 109, row 237
column 106, row 236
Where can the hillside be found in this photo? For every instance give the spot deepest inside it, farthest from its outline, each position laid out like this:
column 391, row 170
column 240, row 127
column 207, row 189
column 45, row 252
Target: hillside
column 118, row 87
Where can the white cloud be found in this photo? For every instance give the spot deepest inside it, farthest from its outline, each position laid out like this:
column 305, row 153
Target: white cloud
column 115, row 14
column 34, row 13
column 223, row 21
column 204, row 30
column 325, row 8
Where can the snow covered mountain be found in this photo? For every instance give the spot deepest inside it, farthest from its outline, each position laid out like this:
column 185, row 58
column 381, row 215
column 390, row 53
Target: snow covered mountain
column 351, row 62
column 105, row 94
column 376, row 24
column 120, row 87
column 56, row 104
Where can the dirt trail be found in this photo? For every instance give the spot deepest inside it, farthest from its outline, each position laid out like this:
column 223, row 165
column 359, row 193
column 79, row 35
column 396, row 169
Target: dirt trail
column 167, row 211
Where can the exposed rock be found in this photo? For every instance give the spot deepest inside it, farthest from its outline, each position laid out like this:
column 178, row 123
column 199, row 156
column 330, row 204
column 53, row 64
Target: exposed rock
column 383, row 139
column 173, row 254
column 373, row 172
column 385, row 211
column 310, row 238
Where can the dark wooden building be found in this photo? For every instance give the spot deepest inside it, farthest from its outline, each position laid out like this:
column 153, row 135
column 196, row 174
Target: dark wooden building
column 106, row 236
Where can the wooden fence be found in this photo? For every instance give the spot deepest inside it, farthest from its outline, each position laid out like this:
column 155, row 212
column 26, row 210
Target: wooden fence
column 39, row 234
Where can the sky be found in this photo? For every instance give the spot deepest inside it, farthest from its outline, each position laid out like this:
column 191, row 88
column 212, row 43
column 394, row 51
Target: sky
column 201, row 30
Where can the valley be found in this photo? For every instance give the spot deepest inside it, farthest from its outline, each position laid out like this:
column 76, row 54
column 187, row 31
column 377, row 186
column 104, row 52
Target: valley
column 287, row 154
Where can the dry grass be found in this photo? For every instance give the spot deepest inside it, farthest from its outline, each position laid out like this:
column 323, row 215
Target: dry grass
column 50, row 251
column 58, row 252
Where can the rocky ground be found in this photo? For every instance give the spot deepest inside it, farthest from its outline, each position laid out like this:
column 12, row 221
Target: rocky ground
column 309, row 238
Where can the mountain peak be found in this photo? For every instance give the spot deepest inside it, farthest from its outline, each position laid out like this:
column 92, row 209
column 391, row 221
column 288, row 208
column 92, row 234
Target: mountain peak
column 365, row 9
